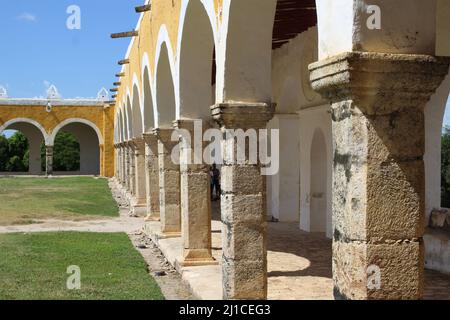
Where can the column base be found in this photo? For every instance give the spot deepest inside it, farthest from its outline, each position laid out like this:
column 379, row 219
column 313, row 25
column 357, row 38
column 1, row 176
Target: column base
column 169, row 235
column 152, row 217
column 197, row 258
column 139, row 210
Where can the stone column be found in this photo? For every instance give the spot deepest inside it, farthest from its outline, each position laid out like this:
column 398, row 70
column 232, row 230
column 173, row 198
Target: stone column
column 169, row 185
column 123, row 164
column 127, row 167
column 152, row 176
column 378, row 105
column 140, row 206
column 195, row 195
column 117, row 174
column 48, row 160
column 243, row 206
column 132, row 176
column 119, row 162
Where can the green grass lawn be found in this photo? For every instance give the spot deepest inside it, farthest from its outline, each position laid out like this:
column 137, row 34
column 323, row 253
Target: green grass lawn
column 34, row 266
column 25, row 199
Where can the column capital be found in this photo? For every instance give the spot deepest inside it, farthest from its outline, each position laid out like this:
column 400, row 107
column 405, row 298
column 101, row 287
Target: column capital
column 149, row 137
column 163, row 134
column 379, row 83
column 236, row 115
column 138, row 143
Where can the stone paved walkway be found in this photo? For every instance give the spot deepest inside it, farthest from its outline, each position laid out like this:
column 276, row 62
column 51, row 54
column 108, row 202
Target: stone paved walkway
column 299, row 264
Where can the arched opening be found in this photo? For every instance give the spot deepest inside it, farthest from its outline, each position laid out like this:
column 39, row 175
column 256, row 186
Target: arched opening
column 165, row 93
column 66, row 154
column 120, row 124
column 437, row 179
column 197, row 56
column 88, row 138
column 437, row 119
column 445, row 158
column 245, row 52
column 318, row 189
column 129, row 119
column 20, row 142
column 149, row 118
column 136, row 110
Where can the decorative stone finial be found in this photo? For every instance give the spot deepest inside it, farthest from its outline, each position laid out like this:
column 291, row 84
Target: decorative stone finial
column 103, row 95
column 3, row 93
column 52, row 93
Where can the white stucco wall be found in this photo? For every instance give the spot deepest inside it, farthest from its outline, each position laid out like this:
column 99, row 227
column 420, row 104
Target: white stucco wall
column 284, row 187
column 289, row 195
column 443, row 28
column 89, row 148
column 311, row 120
column 407, row 26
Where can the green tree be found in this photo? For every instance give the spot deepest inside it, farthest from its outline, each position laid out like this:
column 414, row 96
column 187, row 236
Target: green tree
column 4, row 153
column 15, row 164
column 445, row 168
column 18, row 145
column 12, row 152
column 66, row 153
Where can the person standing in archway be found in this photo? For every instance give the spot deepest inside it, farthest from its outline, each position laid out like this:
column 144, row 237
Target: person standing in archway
column 215, row 182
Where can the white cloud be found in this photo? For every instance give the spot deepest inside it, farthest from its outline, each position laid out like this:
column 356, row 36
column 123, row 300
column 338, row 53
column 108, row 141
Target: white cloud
column 26, row 16
column 47, row 84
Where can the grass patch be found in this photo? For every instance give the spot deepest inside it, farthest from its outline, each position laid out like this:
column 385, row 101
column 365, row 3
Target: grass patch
column 27, row 199
column 34, row 266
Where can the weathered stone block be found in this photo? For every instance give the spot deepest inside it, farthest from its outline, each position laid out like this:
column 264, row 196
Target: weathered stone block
column 241, row 179
column 438, row 218
column 243, row 208
column 244, row 279
column 357, row 265
column 237, row 238
column 395, row 200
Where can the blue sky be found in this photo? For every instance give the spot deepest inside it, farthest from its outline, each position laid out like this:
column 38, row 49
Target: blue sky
column 37, row 49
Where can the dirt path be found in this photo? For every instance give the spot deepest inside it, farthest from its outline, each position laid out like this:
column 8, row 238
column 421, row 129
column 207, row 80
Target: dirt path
column 124, row 223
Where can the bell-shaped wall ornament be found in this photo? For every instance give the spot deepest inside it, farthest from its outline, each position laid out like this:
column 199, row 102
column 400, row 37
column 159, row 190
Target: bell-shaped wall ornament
column 49, row 107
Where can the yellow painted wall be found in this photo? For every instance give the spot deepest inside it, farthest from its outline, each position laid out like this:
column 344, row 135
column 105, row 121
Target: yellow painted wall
column 103, row 118
column 165, row 12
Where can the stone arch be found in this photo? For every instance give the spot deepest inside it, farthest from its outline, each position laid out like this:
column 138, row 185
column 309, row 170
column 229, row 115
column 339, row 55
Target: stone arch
column 36, row 124
column 311, row 121
column 124, row 122
column 76, row 120
column 120, row 125
column 35, row 134
column 244, row 57
column 86, row 133
column 164, row 82
column 148, row 104
column 196, row 45
column 136, row 109
column 318, row 182
column 129, row 116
